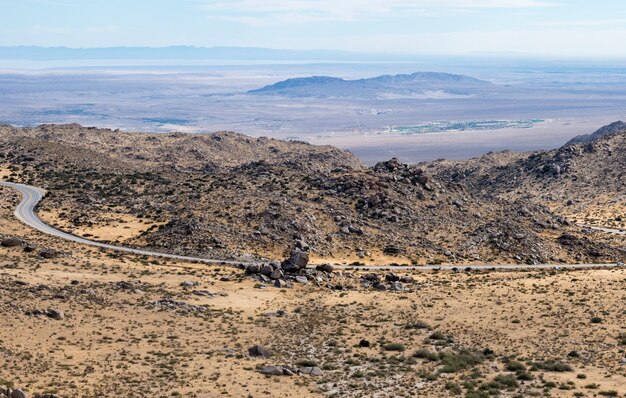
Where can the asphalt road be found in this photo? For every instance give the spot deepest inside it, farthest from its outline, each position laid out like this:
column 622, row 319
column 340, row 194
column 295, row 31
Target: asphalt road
column 26, row 212
column 604, row 229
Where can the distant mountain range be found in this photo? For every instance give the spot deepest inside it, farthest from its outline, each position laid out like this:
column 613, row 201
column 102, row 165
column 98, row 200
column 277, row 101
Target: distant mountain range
column 416, row 85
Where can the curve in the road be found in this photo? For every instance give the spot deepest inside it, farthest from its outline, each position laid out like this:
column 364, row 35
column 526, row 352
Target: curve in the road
column 25, row 212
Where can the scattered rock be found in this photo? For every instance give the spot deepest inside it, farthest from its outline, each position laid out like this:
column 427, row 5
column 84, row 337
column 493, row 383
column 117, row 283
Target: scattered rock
column 313, row 371
column 253, row 269
column 259, row 351
column 296, row 262
column 325, row 268
column 55, row 314
column 380, row 286
column 17, row 393
column 280, row 283
column 49, row 253
column 392, row 277
column 10, row 242
column 272, row 370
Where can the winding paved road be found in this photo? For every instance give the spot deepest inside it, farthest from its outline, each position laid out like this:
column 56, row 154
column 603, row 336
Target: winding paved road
column 25, row 212
column 604, row 229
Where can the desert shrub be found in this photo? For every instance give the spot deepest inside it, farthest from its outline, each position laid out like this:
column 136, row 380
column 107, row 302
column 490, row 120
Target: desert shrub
column 515, row 366
column 553, row 366
column 454, row 388
column 425, row 353
column 610, row 393
column 506, row 381
column 438, row 336
column 394, row 347
column 417, row 325
column 307, row 363
column 477, row 394
column 456, row 361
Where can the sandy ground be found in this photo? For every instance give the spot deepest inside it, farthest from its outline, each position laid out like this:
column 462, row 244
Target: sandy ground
column 112, row 227
column 115, row 339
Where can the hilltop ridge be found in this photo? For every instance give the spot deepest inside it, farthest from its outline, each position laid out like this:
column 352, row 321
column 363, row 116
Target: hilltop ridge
column 415, row 84
column 231, row 196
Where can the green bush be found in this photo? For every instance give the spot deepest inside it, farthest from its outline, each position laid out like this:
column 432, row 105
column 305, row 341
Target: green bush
column 454, row 362
column 515, row 366
column 503, row 381
column 553, row 366
column 454, row 388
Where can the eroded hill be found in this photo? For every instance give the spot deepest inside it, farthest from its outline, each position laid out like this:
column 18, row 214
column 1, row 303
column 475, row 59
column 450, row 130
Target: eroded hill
column 230, row 196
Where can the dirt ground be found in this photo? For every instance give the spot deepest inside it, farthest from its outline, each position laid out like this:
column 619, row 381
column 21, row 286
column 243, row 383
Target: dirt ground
column 141, row 327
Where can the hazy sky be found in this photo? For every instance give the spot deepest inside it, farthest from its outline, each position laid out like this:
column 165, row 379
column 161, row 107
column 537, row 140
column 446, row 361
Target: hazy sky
column 555, row 27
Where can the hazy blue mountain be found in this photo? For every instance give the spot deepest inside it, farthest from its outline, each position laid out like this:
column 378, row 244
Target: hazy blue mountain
column 417, row 85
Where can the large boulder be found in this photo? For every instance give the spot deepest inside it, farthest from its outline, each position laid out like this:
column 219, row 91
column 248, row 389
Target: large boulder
column 49, row 253
column 55, row 314
column 325, row 268
column 259, row 351
column 17, row 393
column 296, row 262
column 274, row 370
column 10, row 242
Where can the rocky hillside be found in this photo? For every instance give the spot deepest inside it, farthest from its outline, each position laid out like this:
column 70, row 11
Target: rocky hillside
column 579, row 173
column 231, row 196
column 609, row 129
column 194, row 152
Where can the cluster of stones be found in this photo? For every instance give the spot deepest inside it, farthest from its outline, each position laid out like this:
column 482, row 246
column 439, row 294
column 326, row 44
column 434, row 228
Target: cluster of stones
column 281, row 274
column 7, row 392
column 281, row 370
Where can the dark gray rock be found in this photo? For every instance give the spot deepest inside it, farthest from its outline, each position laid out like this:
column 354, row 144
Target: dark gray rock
column 55, row 314
column 259, row 351
column 253, row 269
column 380, row 286
column 325, row 268
column 277, row 274
column 280, row 283
column 392, row 277
column 49, row 253
column 17, row 393
column 313, row 371
column 10, row 242
column 272, row 370
column 297, row 261
column 267, row 269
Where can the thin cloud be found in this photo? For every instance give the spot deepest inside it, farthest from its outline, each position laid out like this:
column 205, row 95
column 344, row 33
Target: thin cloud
column 266, row 12
column 592, row 23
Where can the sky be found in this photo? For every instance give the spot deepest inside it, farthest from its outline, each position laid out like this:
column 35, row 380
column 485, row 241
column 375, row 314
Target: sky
column 580, row 28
